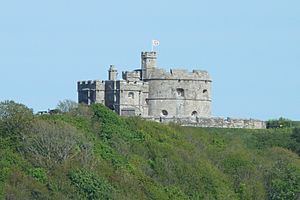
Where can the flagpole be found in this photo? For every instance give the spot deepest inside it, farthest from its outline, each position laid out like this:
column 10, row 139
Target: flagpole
column 154, row 44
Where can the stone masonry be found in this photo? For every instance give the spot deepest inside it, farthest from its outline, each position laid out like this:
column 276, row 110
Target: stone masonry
column 153, row 93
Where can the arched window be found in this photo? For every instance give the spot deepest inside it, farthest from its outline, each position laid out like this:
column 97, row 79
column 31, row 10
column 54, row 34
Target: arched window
column 164, row 113
column 180, row 92
column 194, row 114
column 205, row 91
column 131, row 95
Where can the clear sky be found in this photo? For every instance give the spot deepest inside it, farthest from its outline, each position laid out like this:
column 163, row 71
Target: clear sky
column 250, row 48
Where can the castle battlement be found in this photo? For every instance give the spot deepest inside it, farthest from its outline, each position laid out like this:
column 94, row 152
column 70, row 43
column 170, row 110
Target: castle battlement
column 179, row 74
column 91, row 85
column 133, row 82
column 90, row 82
column 132, row 76
column 148, row 54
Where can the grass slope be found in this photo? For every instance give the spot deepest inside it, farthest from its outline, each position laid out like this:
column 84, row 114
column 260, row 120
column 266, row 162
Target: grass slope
column 99, row 155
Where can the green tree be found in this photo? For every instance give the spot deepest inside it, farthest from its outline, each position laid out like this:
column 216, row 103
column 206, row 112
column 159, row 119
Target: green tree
column 279, row 123
column 15, row 118
column 295, row 145
column 296, row 134
column 66, row 105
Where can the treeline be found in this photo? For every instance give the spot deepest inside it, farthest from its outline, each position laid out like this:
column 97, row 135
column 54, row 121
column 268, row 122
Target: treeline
column 86, row 152
column 282, row 123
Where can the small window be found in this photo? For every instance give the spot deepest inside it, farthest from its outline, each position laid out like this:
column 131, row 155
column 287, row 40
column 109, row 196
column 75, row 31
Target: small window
column 164, row 113
column 131, row 95
column 205, row 91
column 194, row 114
column 180, row 92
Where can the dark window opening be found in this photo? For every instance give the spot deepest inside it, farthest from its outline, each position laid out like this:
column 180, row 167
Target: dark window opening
column 180, row 92
column 194, row 113
column 164, row 113
column 131, row 95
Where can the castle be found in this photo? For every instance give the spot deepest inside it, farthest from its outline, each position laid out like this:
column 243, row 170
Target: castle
column 154, row 93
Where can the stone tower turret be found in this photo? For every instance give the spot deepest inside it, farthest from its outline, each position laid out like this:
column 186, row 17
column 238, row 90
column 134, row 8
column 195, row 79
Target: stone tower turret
column 112, row 73
column 148, row 63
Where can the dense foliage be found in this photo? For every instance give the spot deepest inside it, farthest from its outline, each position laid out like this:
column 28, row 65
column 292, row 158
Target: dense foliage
column 282, row 123
column 91, row 153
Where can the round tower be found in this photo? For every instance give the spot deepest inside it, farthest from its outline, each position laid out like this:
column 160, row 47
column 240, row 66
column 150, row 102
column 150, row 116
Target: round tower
column 179, row 93
column 148, row 63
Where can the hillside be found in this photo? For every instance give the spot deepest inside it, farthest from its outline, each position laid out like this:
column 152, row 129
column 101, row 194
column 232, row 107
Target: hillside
column 91, row 153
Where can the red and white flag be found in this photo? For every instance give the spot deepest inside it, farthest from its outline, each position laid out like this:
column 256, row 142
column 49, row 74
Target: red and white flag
column 155, row 43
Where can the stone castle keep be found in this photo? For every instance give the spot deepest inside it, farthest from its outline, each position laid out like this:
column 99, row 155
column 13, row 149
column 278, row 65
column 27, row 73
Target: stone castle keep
column 154, row 93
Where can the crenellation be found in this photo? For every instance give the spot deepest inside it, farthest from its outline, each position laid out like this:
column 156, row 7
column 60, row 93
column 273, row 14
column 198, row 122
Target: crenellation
column 180, row 74
column 131, row 76
column 149, row 54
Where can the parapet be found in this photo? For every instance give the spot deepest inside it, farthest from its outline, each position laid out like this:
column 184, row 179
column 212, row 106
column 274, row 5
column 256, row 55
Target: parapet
column 132, row 76
column 181, row 74
column 91, row 84
column 151, row 54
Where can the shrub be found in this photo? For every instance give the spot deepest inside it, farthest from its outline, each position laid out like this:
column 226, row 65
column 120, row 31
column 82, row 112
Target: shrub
column 15, row 118
column 279, row 123
column 20, row 186
column 295, row 143
column 285, row 182
column 91, row 186
column 175, row 193
column 39, row 174
column 296, row 134
column 281, row 174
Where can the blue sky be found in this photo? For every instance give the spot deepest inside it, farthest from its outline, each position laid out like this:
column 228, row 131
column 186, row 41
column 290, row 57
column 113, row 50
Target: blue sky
column 251, row 48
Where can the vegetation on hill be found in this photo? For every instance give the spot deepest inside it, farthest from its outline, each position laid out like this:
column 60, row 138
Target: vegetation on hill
column 282, row 123
column 91, row 153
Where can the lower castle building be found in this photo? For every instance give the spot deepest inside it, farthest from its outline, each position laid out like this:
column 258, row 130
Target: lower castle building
column 153, row 93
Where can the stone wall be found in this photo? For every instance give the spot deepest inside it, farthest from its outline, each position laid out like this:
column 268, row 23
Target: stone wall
column 213, row 122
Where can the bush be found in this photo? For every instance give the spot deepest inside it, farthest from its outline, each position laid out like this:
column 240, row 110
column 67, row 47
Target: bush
column 296, row 134
column 91, row 186
column 39, row 174
column 283, row 181
column 20, row 186
column 295, row 143
column 279, row 123
column 15, row 118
